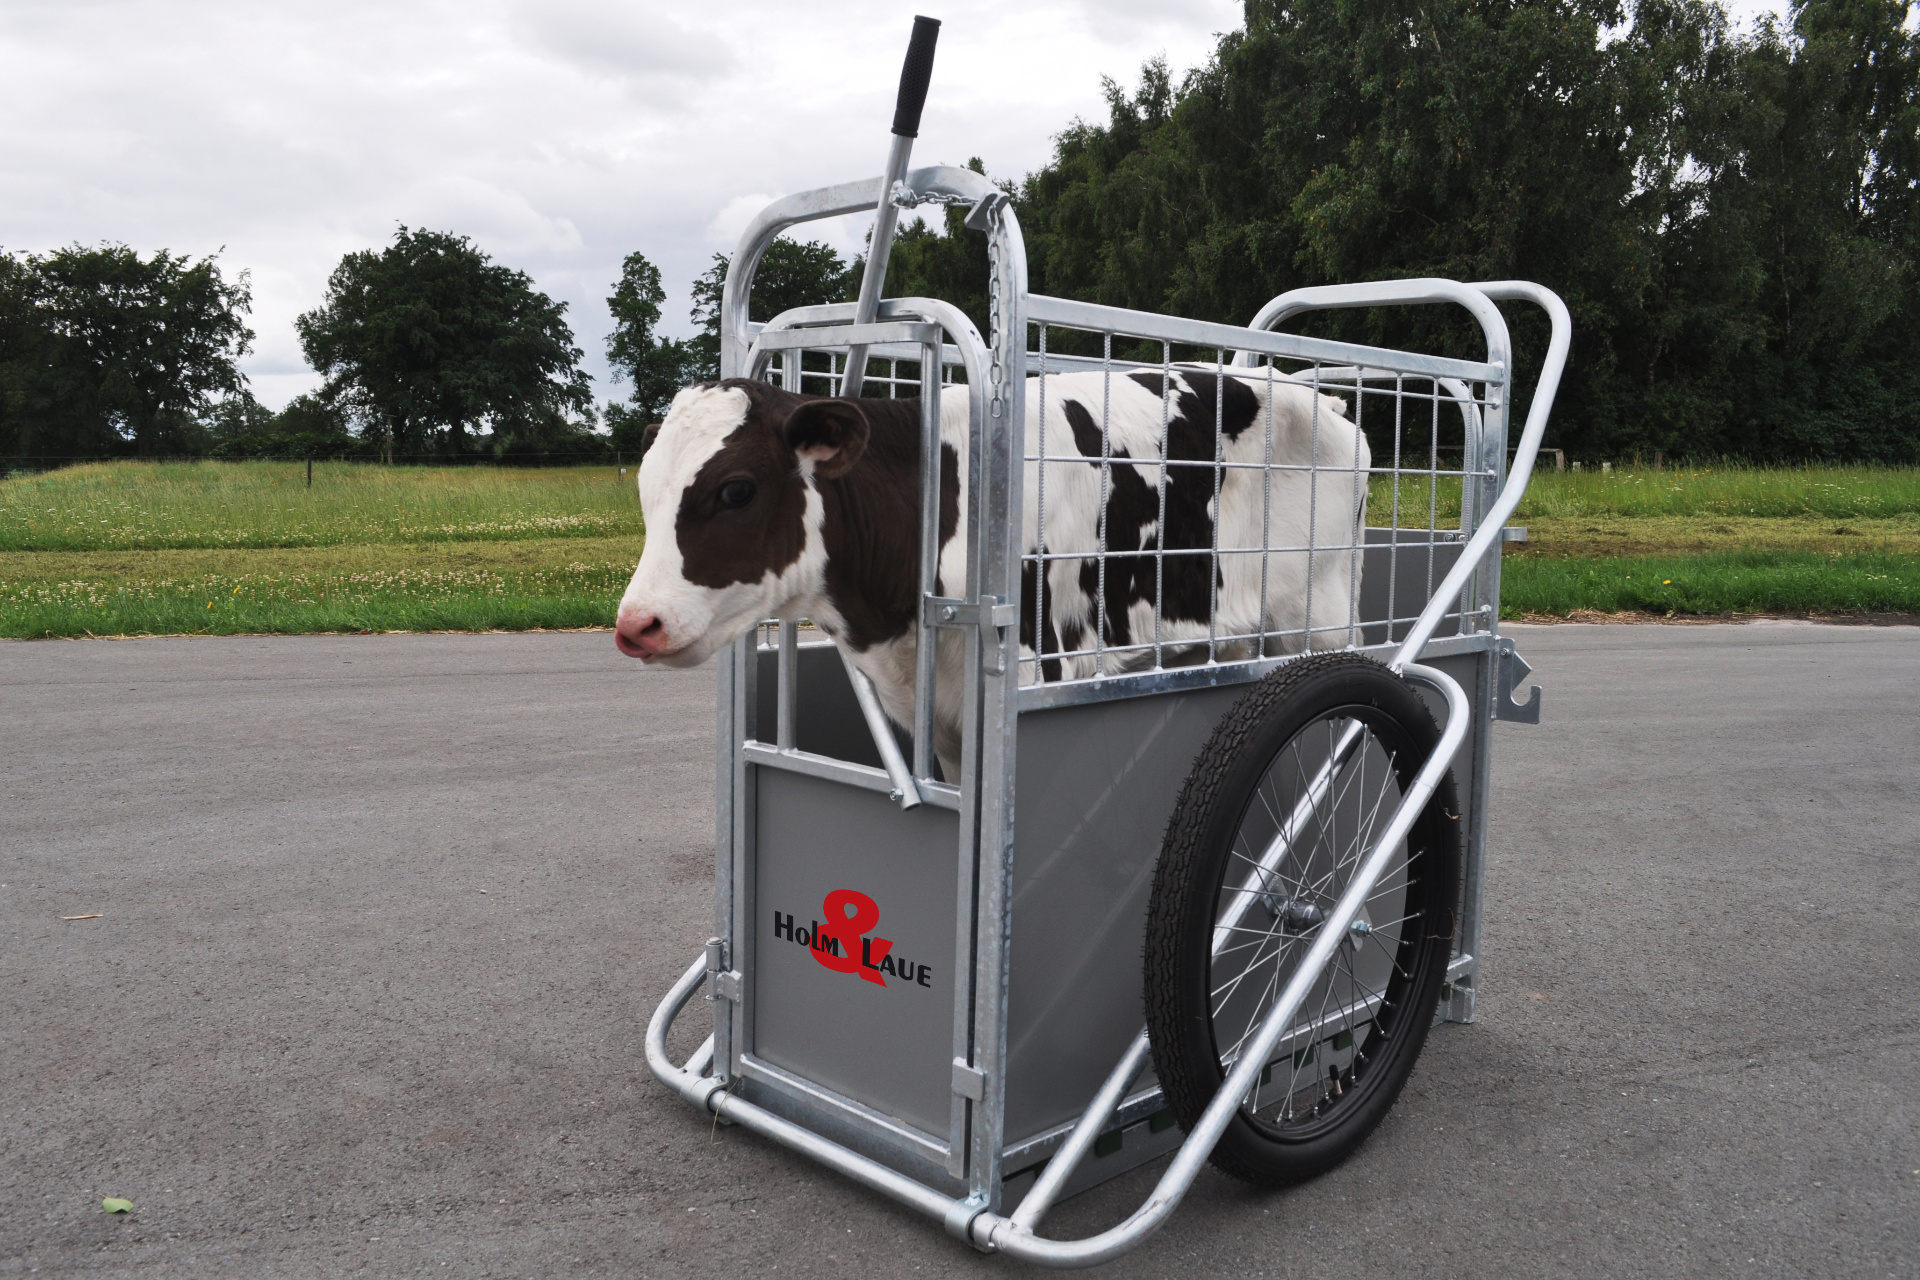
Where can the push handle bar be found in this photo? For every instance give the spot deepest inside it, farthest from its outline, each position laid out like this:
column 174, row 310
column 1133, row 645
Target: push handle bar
column 1493, row 524
column 914, row 77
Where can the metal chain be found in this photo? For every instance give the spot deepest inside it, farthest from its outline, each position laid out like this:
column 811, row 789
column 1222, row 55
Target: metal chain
column 996, row 371
column 905, row 197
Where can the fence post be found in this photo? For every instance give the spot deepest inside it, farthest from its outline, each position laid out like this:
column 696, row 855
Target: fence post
column 309, row 471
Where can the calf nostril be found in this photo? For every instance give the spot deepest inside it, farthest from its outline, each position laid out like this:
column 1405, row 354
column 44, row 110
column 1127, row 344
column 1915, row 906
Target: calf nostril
column 652, row 627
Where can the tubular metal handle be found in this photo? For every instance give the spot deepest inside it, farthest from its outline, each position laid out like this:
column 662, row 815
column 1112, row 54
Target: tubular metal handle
column 915, row 74
column 914, row 77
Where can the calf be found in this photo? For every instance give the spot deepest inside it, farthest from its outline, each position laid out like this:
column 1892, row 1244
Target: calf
column 761, row 503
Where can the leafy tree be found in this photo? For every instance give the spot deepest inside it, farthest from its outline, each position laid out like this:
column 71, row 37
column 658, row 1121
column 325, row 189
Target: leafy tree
column 658, row 367
column 791, row 274
column 429, row 340
column 102, row 351
column 242, row 427
column 1732, row 219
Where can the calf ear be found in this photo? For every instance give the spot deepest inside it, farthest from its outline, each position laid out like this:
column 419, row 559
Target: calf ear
column 648, row 436
column 832, row 434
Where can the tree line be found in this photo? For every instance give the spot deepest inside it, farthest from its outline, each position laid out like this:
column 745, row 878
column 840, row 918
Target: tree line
column 1733, row 218
column 429, row 349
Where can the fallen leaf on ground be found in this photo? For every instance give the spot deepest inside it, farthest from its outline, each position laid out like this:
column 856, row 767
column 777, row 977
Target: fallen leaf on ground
column 94, row 916
column 113, row 1205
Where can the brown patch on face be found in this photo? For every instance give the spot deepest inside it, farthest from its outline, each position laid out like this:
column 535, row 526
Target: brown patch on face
column 724, row 540
column 871, row 512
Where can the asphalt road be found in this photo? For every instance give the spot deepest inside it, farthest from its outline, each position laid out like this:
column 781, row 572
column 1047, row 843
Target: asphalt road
column 381, row 920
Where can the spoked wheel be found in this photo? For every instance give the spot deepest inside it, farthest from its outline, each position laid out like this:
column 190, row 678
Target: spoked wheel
column 1286, row 800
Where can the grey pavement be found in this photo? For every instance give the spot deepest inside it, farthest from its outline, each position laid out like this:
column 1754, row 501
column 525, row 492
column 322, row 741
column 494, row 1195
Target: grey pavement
column 381, row 920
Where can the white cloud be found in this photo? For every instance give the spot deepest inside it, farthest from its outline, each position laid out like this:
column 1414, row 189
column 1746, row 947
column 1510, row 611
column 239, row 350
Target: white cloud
column 559, row 134
column 735, row 214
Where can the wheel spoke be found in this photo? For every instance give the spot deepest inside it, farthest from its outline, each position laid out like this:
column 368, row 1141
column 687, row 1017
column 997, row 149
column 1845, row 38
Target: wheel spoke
column 1303, row 827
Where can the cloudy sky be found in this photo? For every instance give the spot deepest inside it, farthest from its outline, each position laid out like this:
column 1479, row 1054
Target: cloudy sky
column 559, row 134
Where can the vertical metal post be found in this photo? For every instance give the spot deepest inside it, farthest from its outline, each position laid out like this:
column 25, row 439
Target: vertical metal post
column 926, row 653
column 732, row 691
column 1495, row 450
column 1001, row 446
column 787, row 693
column 1460, row 1007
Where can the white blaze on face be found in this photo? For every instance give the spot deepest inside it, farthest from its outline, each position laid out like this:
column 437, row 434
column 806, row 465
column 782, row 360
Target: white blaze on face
column 697, row 424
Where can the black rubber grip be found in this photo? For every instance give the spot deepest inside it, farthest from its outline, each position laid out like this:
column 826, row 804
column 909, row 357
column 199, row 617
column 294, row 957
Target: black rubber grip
column 914, row 77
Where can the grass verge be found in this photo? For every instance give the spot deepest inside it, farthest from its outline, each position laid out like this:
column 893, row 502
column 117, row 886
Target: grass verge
column 1611, row 536
column 1716, row 583
column 109, row 506
column 555, row 583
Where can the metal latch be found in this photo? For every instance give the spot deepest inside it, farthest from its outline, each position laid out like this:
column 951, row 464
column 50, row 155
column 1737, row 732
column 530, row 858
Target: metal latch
column 980, row 217
column 969, row 1082
column 1514, row 669
column 991, row 611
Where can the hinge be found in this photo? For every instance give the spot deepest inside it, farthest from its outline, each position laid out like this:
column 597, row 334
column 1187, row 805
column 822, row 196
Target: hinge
column 969, row 1082
column 939, row 611
column 722, row 983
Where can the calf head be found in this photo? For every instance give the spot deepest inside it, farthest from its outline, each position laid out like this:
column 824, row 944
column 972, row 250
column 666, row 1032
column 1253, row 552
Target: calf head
column 728, row 489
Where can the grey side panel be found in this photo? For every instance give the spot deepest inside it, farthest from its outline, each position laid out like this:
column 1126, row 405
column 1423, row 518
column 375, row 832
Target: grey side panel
column 1096, row 785
column 887, row 1043
column 1403, row 576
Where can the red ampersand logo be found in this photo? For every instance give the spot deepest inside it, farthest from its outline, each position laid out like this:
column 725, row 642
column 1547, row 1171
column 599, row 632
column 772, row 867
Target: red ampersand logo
column 850, row 914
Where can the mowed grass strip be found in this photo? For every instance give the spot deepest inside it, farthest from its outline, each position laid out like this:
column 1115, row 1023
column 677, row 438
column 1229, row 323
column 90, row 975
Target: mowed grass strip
column 1613, row 536
column 1715, row 583
column 124, row 506
column 1716, row 541
column 524, row 585
column 1815, row 492
column 1707, row 492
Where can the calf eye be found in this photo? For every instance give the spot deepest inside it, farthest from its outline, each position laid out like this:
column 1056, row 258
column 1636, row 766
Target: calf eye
column 736, row 493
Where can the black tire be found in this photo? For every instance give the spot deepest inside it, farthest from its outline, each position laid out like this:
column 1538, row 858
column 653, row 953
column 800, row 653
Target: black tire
column 1342, row 1069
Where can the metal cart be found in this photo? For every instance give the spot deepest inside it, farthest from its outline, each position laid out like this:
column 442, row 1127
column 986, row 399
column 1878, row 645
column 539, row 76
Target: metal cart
column 934, row 984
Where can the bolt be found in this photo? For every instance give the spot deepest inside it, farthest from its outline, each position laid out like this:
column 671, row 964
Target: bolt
column 949, row 613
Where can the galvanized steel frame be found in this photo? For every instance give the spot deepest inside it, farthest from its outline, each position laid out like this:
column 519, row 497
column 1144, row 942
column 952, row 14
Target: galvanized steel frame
column 936, row 335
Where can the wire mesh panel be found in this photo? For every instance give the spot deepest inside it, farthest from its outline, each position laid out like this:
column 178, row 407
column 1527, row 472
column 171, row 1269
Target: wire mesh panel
column 823, row 373
column 1193, row 506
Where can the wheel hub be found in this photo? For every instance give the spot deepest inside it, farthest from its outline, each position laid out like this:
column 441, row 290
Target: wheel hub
column 1298, row 915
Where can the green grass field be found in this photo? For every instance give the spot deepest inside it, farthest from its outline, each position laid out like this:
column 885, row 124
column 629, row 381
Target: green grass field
column 131, row 506
column 223, row 548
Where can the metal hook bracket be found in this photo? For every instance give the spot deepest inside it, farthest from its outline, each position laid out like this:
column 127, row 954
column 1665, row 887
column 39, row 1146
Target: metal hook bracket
column 1514, row 669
